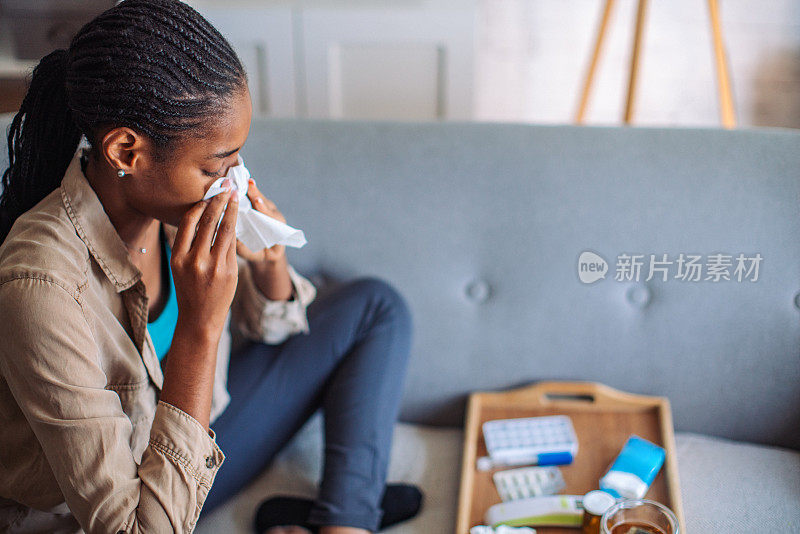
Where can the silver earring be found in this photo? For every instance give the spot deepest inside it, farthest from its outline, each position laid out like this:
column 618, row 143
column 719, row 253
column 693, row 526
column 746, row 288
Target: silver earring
column 120, row 173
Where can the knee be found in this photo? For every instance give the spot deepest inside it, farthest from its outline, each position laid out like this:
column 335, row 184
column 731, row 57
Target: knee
column 387, row 297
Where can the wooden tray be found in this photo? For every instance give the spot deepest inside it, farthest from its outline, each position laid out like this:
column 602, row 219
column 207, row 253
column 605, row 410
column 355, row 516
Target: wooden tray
column 603, row 417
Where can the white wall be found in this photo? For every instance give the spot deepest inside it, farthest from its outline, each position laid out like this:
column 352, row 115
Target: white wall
column 365, row 59
column 532, row 54
column 516, row 60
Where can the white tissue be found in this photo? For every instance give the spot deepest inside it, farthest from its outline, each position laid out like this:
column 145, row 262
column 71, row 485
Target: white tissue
column 253, row 228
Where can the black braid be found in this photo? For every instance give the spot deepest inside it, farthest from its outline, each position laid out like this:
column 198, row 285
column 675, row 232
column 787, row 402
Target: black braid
column 156, row 66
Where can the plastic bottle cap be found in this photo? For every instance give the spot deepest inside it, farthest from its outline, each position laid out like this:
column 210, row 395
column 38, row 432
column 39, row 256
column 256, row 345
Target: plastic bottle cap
column 596, row 502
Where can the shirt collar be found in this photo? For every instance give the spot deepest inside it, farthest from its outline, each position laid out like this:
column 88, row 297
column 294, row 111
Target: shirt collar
column 94, row 227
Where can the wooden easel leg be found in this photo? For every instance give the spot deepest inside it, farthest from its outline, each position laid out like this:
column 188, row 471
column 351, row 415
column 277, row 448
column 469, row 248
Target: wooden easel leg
column 598, row 44
column 727, row 114
column 637, row 44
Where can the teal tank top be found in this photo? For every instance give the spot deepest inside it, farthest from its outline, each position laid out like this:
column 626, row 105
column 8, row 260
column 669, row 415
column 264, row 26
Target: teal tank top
column 163, row 328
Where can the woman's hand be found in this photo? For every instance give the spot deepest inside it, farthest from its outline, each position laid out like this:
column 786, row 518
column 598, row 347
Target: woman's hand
column 274, row 254
column 205, row 281
column 269, row 266
column 206, row 276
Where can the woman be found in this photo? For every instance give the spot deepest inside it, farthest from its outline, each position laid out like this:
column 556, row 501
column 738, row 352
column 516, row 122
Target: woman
column 121, row 407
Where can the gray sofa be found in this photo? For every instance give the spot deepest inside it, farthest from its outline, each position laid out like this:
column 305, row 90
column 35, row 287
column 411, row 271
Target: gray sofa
column 481, row 227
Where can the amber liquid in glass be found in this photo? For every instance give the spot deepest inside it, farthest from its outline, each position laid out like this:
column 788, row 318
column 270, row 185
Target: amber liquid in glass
column 634, row 527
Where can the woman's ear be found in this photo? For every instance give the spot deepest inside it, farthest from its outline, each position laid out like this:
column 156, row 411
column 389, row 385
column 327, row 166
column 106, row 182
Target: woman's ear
column 123, row 149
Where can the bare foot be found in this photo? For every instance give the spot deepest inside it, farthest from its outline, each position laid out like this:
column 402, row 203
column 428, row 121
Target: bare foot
column 287, row 530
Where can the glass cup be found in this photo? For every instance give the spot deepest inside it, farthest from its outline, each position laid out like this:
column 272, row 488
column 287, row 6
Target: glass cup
column 639, row 516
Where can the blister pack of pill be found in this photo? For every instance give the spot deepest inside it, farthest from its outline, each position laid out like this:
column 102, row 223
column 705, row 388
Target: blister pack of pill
column 523, row 482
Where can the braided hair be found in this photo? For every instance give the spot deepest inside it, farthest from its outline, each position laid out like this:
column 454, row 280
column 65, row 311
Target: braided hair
column 155, row 66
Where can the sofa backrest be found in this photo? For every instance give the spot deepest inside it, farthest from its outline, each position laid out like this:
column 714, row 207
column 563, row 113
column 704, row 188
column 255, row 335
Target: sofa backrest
column 481, row 227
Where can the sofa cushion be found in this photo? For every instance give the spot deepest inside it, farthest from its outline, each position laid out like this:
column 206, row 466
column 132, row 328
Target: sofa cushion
column 732, row 487
column 727, row 486
column 427, row 456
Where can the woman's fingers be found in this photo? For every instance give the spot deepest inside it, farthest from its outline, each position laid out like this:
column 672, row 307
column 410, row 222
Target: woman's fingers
column 244, row 252
column 226, row 234
column 232, row 248
column 187, row 228
column 205, row 276
column 253, row 192
column 209, row 220
column 262, row 203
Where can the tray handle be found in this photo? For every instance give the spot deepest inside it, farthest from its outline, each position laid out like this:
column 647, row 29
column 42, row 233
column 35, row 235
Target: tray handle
column 572, row 393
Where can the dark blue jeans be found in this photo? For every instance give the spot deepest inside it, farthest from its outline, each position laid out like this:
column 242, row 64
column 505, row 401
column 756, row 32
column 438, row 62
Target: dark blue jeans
column 352, row 364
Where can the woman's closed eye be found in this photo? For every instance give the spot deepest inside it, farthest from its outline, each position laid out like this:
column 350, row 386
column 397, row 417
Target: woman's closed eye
column 216, row 174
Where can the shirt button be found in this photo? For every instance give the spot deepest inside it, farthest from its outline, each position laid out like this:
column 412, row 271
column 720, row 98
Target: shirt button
column 210, row 462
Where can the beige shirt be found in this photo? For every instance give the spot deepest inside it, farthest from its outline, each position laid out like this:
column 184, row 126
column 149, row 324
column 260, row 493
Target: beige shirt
column 85, row 443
